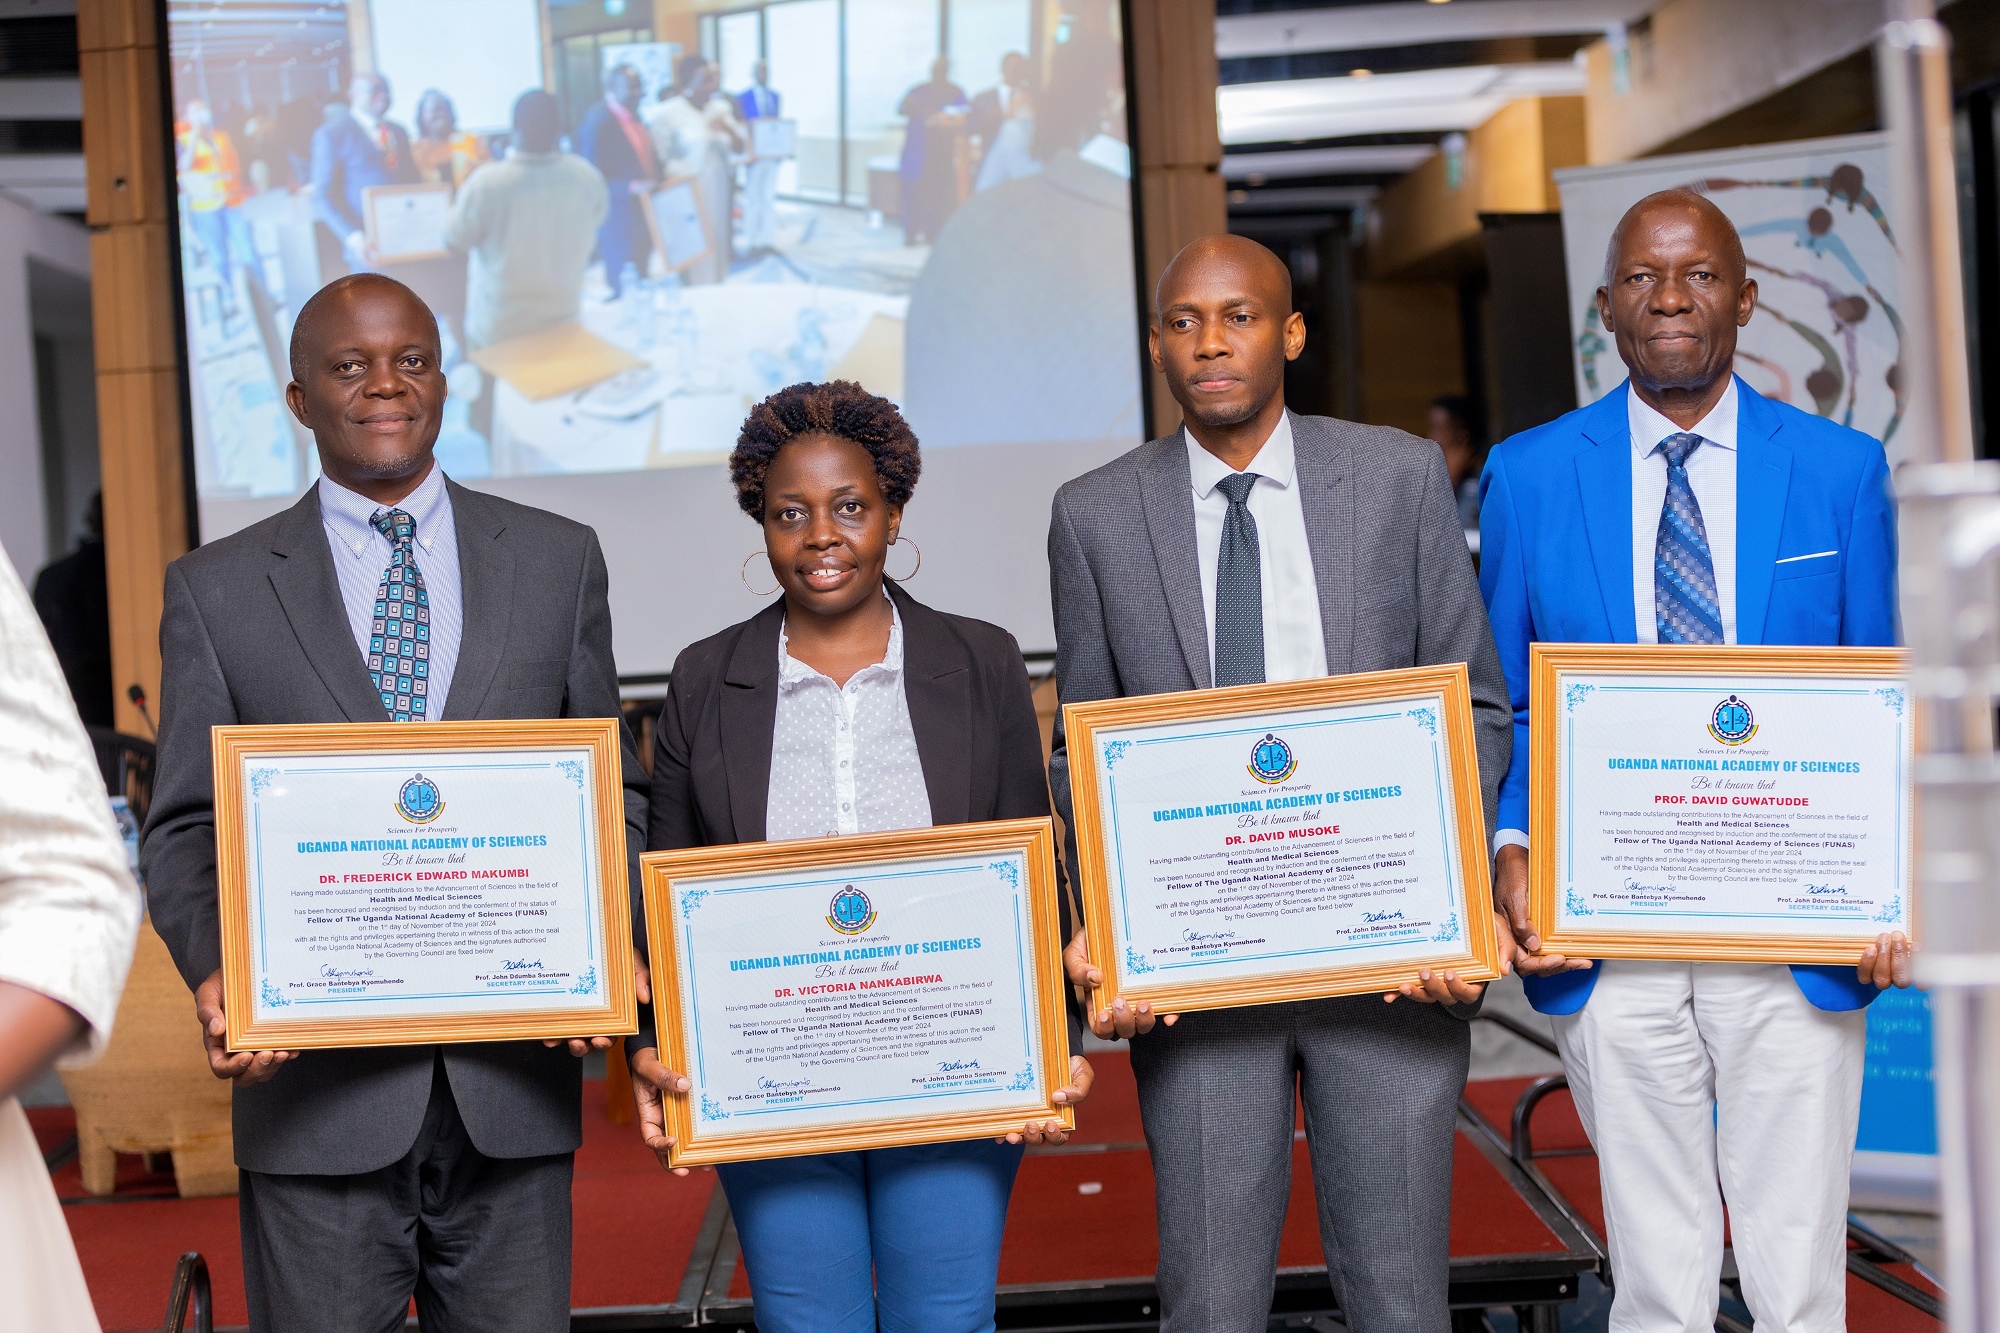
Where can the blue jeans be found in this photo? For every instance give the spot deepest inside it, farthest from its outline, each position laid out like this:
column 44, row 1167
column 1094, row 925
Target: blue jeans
column 904, row 1239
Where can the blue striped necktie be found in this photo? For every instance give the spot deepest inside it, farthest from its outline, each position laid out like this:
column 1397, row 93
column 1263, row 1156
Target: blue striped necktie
column 1239, row 589
column 399, row 642
column 1685, row 606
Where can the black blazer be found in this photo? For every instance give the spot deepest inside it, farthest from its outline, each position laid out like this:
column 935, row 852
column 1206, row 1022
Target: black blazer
column 254, row 631
column 971, row 709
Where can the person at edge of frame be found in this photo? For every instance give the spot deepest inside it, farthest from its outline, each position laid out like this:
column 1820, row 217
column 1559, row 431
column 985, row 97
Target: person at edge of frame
column 370, row 1175
column 847, row 706
column 1277, row 547
column 1687, row 508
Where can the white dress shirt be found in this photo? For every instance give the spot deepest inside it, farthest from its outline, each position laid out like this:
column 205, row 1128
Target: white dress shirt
column 843, row 757
column 361, row 556
column 1294, row 640
column 1711, row 470
column 69, row 909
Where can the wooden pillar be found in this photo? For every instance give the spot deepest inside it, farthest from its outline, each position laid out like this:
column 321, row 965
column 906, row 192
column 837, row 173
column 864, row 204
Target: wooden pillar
column 1180, row 146
column 132, row 313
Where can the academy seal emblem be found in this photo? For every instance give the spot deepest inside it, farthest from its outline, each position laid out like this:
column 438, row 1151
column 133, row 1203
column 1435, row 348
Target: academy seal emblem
column 419, row 801
column 1732, row 722
column 850, row 912
column 1271, row 760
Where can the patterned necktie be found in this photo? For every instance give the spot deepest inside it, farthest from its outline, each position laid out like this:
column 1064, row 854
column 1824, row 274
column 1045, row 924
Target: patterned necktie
column 399, row 644
column 1685, row 606
column 1239, row 589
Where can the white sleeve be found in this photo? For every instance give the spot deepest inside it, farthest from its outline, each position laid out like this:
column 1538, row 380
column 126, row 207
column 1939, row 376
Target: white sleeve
column 1509, row 837
column 69, row 909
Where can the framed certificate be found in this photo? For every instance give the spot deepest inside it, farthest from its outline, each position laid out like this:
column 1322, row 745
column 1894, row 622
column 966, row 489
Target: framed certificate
column 1732, row 804
column 673, row 216
column 406, row 222
column 833, row 994
column 386, row 884
column 772, row 137
column 1281, row 842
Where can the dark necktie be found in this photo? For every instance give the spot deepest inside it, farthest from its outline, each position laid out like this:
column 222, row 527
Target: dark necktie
column 1239, row 589
column 1685, row 606
column 399, row 642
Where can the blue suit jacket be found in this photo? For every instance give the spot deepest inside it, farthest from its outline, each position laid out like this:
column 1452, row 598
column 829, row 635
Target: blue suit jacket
column 345, row 161
column 746, row 102
column 1555, row 523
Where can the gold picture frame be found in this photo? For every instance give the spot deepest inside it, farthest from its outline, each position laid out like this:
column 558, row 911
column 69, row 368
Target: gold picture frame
column 599, row 780
column 406, row 223
column 671, row 877
column 681, row 237
column 1085, row 724
column 1551, row 663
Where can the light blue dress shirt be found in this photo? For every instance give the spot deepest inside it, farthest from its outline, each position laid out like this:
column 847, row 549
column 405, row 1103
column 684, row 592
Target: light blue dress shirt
column 361, row 556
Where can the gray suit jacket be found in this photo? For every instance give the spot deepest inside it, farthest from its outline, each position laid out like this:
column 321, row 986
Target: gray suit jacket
column 254, row 632
column 1396, row 587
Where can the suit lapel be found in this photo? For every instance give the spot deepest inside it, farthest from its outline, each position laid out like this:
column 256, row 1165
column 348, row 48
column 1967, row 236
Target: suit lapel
column 1326, row 496
column 1604, row 477
column 750, row 722
column 937, row 683
column 486, row 584
column 1166, row 496
column 1763, row 476
column 309, row 592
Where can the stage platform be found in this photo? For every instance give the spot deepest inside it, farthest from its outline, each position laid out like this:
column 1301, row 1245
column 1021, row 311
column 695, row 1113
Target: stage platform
column 656, row 1251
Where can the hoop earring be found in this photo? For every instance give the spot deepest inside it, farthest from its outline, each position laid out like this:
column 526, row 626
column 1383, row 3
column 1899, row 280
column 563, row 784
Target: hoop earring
column 744, row 574
column 905, row 541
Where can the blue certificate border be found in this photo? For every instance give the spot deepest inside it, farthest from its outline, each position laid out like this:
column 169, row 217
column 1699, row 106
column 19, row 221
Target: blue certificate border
column 257, row 884
column 692, row 1008
column 1104, row 739
column 1566, row 918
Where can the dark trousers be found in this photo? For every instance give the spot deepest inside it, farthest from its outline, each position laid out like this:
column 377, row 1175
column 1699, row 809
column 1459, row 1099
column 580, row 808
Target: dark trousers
column 483, row 1243
column 1380, row 1084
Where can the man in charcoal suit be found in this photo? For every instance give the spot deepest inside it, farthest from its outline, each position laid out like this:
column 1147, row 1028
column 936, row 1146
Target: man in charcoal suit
column 1260, row 546
column 369, row 1175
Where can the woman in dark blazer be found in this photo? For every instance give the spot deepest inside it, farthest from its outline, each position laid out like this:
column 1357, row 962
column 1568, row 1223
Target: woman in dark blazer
column 847, row 706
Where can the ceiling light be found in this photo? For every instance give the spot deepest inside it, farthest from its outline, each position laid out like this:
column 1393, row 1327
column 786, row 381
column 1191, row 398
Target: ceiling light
column 1360, row 73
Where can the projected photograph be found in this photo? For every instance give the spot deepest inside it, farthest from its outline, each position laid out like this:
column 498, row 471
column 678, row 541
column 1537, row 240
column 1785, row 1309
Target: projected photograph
column 635, row 218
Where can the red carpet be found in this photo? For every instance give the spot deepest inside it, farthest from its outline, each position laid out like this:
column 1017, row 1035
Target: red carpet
column 635, row 1227
column 1056, row 1232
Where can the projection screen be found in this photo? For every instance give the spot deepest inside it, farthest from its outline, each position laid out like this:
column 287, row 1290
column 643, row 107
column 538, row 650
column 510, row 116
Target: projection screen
column 930, row 197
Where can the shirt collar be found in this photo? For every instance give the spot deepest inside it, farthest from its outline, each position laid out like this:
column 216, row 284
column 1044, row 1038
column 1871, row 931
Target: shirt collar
column 371, row 124
column 792, row 672
column 348, row 514
column 1275, row 462
column 1649, row 427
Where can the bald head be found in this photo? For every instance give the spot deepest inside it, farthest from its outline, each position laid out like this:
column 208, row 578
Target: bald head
column 1222, row 332
column 1242, row 260
column 328, row 308
column 1688, row 206
column 366, row 381
column 1676, row 289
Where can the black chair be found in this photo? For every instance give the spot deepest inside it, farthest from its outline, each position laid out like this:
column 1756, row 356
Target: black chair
column 127, row 765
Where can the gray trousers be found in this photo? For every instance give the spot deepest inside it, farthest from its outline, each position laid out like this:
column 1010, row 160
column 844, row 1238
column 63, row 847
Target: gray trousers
column 483, row 1243
column 1380, row 1083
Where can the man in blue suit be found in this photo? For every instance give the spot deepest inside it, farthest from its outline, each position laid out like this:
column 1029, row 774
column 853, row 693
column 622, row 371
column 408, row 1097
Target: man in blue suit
column 760, row 177
column 355, row 148
column 615, row 141
column 1686, row 508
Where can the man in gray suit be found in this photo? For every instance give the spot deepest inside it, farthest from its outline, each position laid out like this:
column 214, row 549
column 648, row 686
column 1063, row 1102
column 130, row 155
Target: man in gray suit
column 1256, row 545
column 367, row 1175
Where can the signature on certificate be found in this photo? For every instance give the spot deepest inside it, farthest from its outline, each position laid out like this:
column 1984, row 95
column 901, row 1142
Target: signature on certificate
column 521, row 965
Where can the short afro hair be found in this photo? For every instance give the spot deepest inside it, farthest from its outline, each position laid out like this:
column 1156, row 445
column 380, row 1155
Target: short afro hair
column 839, row 408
